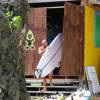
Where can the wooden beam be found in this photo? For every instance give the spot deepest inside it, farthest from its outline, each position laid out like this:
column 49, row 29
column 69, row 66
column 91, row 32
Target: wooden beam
column 55, row 7
column 94, row 2
column 45, row 1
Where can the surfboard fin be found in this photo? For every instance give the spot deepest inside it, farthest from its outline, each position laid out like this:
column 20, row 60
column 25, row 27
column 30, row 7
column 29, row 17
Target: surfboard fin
column 38, row 73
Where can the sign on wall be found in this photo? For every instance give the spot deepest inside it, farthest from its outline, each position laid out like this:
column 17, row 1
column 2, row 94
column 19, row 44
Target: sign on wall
column 92, row 79
column 30, row 40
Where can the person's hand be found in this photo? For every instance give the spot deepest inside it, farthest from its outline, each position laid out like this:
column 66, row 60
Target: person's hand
column 42, row 48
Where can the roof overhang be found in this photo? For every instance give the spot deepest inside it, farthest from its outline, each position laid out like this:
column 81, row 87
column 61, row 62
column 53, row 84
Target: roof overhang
column 94, row 2
column 47, row 1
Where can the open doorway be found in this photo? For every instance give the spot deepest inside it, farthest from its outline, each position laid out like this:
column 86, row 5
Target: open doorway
column 54, row 27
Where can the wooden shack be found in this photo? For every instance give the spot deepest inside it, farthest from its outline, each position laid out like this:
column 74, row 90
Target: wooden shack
column 70, row 18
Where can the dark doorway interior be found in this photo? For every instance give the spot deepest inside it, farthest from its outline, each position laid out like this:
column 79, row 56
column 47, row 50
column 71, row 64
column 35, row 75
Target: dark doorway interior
column 54, row 26
column 54, row 23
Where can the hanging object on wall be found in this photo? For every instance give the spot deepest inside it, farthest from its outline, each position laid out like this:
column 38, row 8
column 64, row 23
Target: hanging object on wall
column 30, row 40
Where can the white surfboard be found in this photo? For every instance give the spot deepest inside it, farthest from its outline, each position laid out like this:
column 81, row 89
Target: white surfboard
column 51, row 57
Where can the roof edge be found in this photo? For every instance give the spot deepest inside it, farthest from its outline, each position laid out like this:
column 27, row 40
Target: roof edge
column 47, row 1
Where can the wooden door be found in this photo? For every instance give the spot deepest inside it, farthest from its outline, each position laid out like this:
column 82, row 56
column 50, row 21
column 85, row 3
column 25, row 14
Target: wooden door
column 37, row 23
column 72, row 63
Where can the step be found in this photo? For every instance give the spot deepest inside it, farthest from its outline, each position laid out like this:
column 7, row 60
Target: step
column 65, row 86
column 38, row 93
column 54, row 80
column 57, row 84
column 53, row 89
column 55, row 76
column 53, row 86
column 46, row 97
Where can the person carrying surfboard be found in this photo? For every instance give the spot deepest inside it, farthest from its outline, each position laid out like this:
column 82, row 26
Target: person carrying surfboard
column 41, row 50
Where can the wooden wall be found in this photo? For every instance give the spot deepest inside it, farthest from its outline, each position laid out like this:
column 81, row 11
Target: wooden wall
column 72, row 63
column 37, row 23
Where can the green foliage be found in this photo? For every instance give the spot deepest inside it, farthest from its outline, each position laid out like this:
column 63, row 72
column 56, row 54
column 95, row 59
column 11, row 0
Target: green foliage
column 12, row 16
column 13, row 22
column 17, row 22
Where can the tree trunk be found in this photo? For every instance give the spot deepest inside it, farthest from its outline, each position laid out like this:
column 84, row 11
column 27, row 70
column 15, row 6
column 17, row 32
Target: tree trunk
column 12, row 84
column 12, row 79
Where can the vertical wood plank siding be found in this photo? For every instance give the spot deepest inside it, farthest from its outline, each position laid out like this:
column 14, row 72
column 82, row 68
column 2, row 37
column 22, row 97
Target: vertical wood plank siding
column 72, row 63
column 37, row 23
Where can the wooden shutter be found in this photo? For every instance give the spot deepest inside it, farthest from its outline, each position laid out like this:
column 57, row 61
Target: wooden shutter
column 72, row 63
column 37, row 23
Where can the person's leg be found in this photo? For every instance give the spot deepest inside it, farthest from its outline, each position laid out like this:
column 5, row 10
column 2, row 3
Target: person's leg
column 50, row 78
column 44, row 85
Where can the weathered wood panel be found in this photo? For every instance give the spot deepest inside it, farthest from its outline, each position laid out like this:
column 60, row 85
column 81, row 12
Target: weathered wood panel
column 37, row 23
column 73, row 45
